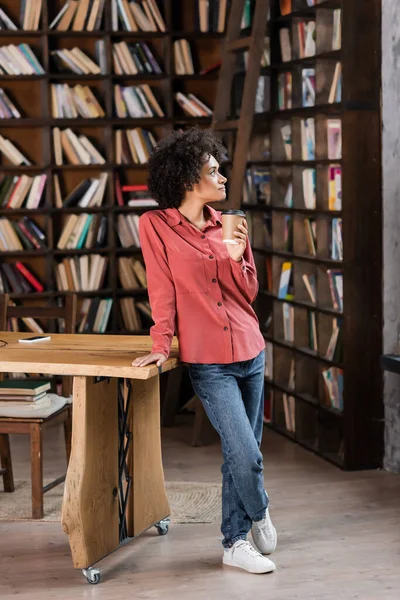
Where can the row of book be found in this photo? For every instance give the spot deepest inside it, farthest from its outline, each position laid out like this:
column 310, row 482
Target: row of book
column 30, row 11
column 131, row 273
column 306, row 38
column 134, row 59
column 72, row 102
column 135, row 315
column 88, row 193
column 308, row 84
column 75, row 60
column 22, row 191
column 136, row 102
column 83, row 231
column 23, row 234
column 81, row 273
column 94, row 315
column 79, row 15
column 211, row 16
column 139, row 15
column 17, row 278
column 128, row 230
column 192, row 105
column 8, row 110
column 76, row 148
column 136, row 195
column 19, row 60
column 133, row 145
column 335, row 279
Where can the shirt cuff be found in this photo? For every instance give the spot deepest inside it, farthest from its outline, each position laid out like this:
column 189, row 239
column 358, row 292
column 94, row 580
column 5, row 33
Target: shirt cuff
column 241, row 264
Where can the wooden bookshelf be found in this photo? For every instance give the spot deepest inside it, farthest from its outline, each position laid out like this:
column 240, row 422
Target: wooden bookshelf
column 350, row 436
column 32, row 133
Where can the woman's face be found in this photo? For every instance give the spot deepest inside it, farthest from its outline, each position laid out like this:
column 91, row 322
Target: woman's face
column 211, row 186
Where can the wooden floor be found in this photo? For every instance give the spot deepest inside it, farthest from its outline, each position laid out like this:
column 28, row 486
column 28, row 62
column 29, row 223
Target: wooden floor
column 339, row 537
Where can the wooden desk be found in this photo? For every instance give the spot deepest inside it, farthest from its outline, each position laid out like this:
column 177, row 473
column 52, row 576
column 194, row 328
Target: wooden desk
column 114, row 488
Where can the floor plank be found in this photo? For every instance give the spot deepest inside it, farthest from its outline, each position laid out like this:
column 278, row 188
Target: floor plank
column 339, row 536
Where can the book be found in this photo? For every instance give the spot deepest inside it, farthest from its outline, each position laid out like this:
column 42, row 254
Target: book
column 23, row 388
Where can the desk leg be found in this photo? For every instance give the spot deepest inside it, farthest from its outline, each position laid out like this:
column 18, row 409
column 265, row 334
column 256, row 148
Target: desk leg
column 148, row 502
column 90, row 508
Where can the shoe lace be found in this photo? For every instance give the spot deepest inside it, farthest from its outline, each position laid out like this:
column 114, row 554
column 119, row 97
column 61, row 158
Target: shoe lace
column 248, row 549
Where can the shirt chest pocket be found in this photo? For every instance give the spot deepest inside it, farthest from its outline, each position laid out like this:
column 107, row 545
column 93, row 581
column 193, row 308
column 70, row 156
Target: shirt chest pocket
column 188, row 272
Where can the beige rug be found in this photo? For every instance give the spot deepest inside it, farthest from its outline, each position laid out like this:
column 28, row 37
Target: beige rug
column 190, row 502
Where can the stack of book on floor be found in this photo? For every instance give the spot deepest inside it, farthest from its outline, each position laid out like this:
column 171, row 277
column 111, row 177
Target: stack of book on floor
column 25, row 395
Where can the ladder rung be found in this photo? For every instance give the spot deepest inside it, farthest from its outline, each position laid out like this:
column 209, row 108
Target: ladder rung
column 226, row 125
column 238, row 45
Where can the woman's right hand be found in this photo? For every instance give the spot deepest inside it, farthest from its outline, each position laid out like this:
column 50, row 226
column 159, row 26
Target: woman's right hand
column 142, row 361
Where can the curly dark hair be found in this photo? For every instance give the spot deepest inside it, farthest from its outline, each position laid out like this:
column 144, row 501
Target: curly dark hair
column 175, row 165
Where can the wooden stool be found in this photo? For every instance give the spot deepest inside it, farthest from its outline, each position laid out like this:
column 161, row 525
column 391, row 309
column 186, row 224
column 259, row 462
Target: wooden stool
column 35, row 426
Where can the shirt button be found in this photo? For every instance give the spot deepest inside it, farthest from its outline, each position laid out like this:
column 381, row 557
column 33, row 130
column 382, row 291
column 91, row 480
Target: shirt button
column 202, row 237
column 211, row 256
column 225, row 329
column 244, row 268
column 214, row 280
column 219, row 303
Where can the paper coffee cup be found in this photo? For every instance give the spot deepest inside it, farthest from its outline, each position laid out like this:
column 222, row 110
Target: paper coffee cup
column 230, row 220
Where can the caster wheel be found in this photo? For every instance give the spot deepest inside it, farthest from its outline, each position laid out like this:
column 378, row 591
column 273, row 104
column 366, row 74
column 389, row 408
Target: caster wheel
column 162, row 529
column 92, row 575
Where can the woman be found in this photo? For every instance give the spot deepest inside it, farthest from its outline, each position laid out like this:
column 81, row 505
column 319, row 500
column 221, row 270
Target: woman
column 203, row 290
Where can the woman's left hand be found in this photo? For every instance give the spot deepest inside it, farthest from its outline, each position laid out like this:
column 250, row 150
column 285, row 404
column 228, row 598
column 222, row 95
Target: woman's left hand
column 236, row 251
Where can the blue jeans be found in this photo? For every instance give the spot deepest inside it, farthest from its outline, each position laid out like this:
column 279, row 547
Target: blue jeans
column 233, row 398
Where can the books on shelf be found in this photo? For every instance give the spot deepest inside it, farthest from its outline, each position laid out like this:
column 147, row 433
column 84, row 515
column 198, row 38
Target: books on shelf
column 136, row 101
column 306, row 38
column 83, row 231
column 183, row 61
column 337, row 240
column 285, row 90
column 17, row 278
column 138, row 195
column 337, row 30
column 22, row 191
column 312, row 331
column 335, row 350
column 23, row 234
column 285, row 7
column 308, row 87
column 89, row 193
column 333, row 380
column 131, row 273
column 335, row 93
column 192, row 106
column 81, row 273
column 133, row 146
column 75, row 61
column 6, row 22
column 136, row 15
column 132, row 59
column 335, row 187
column 261, row 177
column 335, row 278
column 307, row 139
column 285, row 44
column 334, row 135
column 128, row 230
column 94, row 315
column 8, row 110
column 19, row 60
column 76, row 148
column 286, row 132
column 309, row 180
column 285, row 283
column 311, row 286
column 263, row 94
column 72, row 102
column 211, row 16
column 310, row 226
column 288, row 322
column 12, row 153
column 79, row 15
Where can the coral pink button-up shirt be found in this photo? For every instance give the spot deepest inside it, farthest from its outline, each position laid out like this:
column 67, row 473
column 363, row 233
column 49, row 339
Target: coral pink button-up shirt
column 197, row 291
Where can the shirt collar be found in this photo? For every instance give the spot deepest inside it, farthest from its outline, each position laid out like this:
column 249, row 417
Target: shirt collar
column 174, row 217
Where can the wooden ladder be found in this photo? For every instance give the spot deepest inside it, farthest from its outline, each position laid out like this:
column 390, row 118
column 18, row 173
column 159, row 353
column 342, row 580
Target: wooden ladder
column 254, row 43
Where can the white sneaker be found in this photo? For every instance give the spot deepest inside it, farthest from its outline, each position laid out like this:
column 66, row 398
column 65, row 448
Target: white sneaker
column 264, row 534
column 244, row 556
